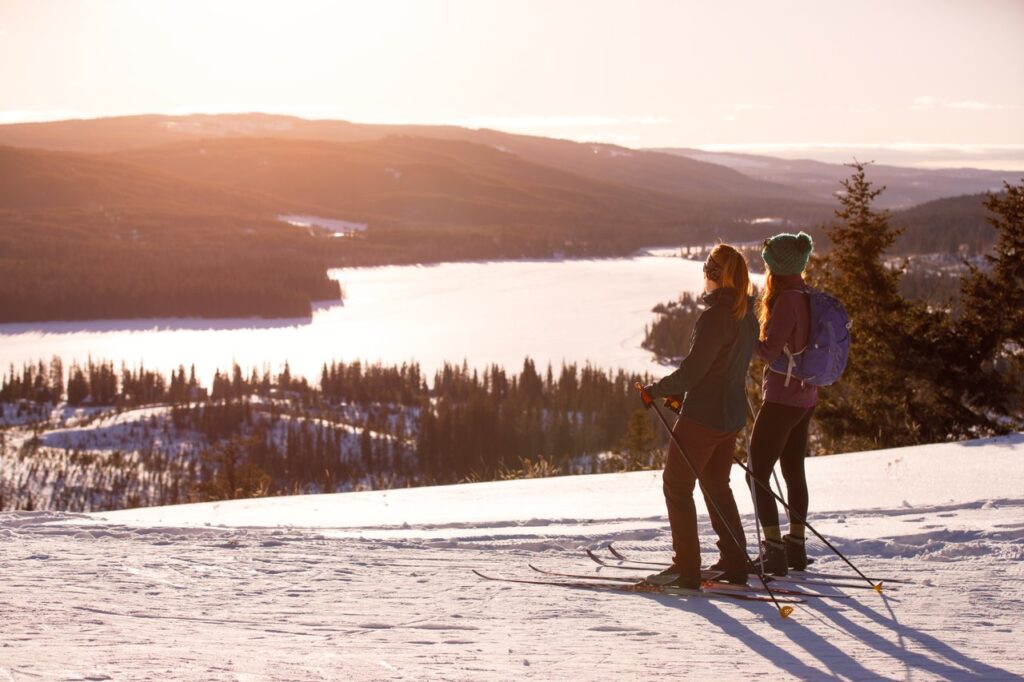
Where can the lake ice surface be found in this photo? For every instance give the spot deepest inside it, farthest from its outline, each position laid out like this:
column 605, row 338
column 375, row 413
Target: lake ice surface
column 485, row 313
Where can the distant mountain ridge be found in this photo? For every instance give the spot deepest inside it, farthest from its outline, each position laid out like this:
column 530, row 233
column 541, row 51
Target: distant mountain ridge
column 678, row 176
column 703, row 176
column 905, row 187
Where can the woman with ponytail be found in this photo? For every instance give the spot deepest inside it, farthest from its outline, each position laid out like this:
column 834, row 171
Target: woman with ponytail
column 712, row 380
column 781, row 425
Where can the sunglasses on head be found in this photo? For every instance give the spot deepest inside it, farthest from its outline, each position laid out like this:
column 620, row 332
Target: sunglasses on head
column 712, row 270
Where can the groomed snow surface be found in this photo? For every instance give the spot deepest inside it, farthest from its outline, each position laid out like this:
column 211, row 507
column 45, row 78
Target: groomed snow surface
column 366, row 586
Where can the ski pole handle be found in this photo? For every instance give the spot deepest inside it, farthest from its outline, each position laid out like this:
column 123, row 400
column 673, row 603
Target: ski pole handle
column 672, row 402
column 644, row 395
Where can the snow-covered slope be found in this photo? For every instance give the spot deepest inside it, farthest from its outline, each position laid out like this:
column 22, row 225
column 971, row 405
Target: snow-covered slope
column 379, row 585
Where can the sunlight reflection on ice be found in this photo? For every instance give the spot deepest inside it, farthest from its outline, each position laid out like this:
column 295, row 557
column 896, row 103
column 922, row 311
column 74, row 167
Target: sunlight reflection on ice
column 483, row 312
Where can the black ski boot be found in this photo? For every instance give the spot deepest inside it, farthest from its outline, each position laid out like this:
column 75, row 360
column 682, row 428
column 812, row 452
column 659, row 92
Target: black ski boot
column 673, row 577
column 685, row 583
column 796, row 552
column 665, row 577
column 772, row 558
column 729, row 574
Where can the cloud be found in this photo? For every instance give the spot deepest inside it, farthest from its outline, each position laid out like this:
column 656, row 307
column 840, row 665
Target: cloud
column 764, row 147
column 534, row 122
column 929, row 102
column 734, row 110
column 971, row 104
column 1004, row 157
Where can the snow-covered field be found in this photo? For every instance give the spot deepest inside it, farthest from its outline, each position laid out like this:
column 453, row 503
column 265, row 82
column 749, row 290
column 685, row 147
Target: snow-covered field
column 379, row 585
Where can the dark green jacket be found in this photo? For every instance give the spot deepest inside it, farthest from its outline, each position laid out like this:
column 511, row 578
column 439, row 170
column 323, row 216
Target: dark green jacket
column 712, row 376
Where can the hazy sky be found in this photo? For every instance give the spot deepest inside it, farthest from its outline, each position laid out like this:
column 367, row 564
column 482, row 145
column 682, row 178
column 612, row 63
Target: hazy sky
column 907, row 75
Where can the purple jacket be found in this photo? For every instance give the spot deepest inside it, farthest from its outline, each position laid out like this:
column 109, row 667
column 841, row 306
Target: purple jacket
column 789, row 325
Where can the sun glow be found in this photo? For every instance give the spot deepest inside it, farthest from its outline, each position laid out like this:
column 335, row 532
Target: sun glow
column 663, row 74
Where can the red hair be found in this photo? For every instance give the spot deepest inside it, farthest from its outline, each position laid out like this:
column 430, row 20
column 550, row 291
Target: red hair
column 734, row 276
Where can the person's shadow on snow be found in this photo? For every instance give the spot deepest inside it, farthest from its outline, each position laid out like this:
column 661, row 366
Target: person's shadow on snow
column 968, row 667
column 933, row 655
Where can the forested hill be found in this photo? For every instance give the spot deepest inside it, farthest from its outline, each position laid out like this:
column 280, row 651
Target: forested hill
column 85, row 237
column 951, row 225
column 667, row 173
column 403, row 181
column 193, row 228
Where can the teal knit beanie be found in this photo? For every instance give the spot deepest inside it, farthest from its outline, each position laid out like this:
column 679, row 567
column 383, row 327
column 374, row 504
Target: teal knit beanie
column 787, row 254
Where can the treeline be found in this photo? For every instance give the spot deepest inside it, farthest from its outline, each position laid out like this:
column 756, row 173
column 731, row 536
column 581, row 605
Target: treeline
column 363, row 427
column 140, row 266
column 99, row 383
column 499, row 424
column 670, row 334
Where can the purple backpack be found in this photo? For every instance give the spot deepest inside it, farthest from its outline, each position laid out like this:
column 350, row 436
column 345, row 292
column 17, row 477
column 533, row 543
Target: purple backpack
column 823, row 359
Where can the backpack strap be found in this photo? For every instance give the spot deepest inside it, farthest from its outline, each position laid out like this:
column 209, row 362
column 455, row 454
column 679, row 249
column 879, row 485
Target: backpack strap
column 790, row 364
column 790, row 355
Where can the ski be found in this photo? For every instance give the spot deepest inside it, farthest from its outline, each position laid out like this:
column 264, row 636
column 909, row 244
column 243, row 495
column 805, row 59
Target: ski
column 713, row 584
column 840, row 576
column 770, row 578
column 643, row 587
column 810, row 574
column 621, row 557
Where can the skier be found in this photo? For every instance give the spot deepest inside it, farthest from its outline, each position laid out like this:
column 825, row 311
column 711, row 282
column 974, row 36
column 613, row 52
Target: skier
column 780, row 428
column 712, row 377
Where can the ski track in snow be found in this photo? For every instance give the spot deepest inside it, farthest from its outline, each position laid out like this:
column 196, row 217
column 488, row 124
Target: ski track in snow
column 101, row 601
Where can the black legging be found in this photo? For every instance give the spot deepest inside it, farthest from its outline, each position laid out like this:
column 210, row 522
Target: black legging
column 780, row 435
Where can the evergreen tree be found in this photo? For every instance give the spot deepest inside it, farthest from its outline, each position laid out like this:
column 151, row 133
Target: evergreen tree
column 990, row 335
column 639, row 443
column 915, row 375
column 228, row 475
column 868, row 407
column 78, row 385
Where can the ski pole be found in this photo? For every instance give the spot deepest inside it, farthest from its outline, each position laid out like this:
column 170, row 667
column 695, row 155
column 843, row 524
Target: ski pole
column 750, row 480
column 648, row 401
column 876, row 586
column 757, row 519
column 753, row 493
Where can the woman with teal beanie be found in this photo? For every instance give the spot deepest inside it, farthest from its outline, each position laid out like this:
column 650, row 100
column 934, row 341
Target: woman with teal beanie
column 781, row 427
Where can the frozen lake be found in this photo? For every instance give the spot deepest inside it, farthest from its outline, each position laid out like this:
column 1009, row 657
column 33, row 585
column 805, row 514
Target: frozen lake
column 489, row 312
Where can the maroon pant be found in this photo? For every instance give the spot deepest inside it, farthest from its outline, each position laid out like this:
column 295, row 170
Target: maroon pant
column 710, row 452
